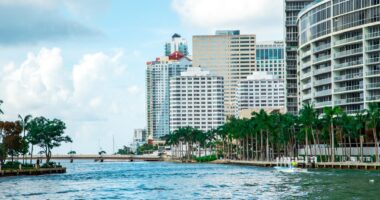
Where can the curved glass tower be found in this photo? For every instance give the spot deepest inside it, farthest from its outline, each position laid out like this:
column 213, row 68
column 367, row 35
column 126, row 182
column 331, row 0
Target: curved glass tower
column 339, row 54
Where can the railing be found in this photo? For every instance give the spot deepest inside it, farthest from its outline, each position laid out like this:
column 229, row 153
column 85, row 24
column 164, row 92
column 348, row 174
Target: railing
column 348, row 64
column 373, row 35
column 291, row 57
column 322, row 81
column 291, row 76
column 322, row 58
column 306, row 65
column 373, row 98
column 291, row 85
column 291, row 104
column 373, row 47
column 373, row 72
column 373, row 60
column 323, row 93
column 349, row 52
column 349, row 100
column 347, row 40
column 324, row 103
column 306, row 96
column 373, row 85
column 348, row 76
column 322, row 70
column 291, row 22
column 305, row 75
column 322, row 47
column 349, row 88
column 306, row 86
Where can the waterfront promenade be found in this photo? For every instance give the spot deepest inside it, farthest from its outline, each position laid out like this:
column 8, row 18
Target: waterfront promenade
column 321, row 165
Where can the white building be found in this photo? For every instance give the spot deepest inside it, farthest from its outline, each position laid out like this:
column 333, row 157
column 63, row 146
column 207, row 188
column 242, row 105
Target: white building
column 158, row 74
column 270, row 58
column 229, row 54
column 140, row 137
column 260, row 91
column 196, row 100
column 176, row 44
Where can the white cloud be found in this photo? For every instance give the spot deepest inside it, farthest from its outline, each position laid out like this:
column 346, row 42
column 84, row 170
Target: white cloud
column 263, row 17
column 93, row 96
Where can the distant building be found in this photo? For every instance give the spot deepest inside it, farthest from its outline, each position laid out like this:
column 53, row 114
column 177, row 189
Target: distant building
column 140, row 137
column 176, row 44
column 270, row 58
column 260, row 91
column 196, row 100
column 158, row 74
column 228, row 54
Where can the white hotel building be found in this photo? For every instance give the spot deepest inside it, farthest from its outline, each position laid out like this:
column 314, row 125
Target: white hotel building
column 260, row 90
column 196, row 100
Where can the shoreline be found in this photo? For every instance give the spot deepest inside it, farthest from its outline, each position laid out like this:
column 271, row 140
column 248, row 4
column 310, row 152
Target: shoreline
column 31, row 172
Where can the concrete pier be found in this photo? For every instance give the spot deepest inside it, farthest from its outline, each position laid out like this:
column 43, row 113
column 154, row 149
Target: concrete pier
column 28, row 172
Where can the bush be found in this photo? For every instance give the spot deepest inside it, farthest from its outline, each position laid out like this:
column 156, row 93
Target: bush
column 206, row 158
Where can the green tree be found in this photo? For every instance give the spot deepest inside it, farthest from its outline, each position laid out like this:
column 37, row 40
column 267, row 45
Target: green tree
column 373, row 115
column 329, row 115
column 307, row 118
column 12, row 138
column 24, row 121
column 3, row 153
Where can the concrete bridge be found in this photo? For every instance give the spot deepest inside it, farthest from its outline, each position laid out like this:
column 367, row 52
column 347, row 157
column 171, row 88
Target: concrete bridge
column 99, row 158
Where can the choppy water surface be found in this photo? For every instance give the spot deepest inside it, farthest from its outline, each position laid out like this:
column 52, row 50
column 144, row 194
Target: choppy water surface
column 143, row 180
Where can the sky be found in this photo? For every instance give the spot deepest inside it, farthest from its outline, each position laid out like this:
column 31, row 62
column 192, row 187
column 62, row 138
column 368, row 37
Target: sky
column 83, row 61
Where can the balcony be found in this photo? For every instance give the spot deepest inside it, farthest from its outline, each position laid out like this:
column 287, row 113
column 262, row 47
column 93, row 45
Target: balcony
column 291, row 85
column 306, row 65
column 322, row 58
column 373, row 60
column 348, row 40
column 291, row 104
column 306, row 86
column 291, row 22
column 291, row 76
column 322, row 104
column 322, row 70
column 322, row 47
column 305, row 54
column 306, row 75
column 323, row 93
column 291, row 57
column 373, row 72
column 348, row 64
column 373, row 35
column 375, row 85
column 348, row 53
column 349, row 100
column 322, row 81
column 348, row 77
column 373, row 48
column 306, row 97
column 349, row 88
column 373, row 98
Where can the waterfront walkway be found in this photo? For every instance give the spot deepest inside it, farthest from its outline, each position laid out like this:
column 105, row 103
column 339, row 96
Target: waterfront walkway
column 335, row 165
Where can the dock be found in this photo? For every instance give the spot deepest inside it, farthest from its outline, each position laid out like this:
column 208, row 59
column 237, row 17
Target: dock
column 30, row 172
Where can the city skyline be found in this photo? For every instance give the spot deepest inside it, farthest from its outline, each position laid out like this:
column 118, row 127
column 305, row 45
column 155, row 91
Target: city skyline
column 102, row 49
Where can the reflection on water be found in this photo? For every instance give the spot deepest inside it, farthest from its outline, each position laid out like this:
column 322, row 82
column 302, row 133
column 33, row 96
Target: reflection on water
column 142, row 180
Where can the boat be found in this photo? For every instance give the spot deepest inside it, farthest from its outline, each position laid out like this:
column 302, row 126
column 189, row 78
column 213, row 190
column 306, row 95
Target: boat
column 290, row 169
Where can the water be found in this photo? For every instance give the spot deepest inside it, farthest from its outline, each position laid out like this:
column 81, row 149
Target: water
column 144, row 180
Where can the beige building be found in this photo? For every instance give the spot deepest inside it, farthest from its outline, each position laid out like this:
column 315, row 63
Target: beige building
column 226, row 54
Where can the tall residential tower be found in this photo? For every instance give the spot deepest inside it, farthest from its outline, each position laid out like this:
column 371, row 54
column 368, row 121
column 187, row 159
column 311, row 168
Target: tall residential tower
column 226, row 54
column 292, row 8
column 176, row 44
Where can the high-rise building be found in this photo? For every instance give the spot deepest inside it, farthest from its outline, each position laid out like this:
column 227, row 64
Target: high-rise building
column 339, row 54
column 196, row 100
column 292, row 8
column 270, row 58
column 228, row 54
column 140, row 137
column 261, row 90
column 158, row 74
column 176, row 44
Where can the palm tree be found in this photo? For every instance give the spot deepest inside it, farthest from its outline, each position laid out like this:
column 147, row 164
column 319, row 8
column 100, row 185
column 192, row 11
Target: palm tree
column 307, row 118
column 262, row 119
column 373, row 114
column 330, row 114
column 1, row 111
column 24, row 121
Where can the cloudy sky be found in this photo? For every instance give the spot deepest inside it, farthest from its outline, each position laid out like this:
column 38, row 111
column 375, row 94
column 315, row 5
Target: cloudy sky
column 84, row 61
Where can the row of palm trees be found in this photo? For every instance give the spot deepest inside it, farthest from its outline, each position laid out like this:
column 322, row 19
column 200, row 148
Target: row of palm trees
column 268, row 135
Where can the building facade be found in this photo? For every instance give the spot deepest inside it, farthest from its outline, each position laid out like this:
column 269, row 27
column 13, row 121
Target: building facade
column 177, row 43
column 270, row 58
column 196, row 100
column 261, row 90
column 140, row 137
column 339, row 54
column 292, row 9
column 228, row 54
column 158, row 74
